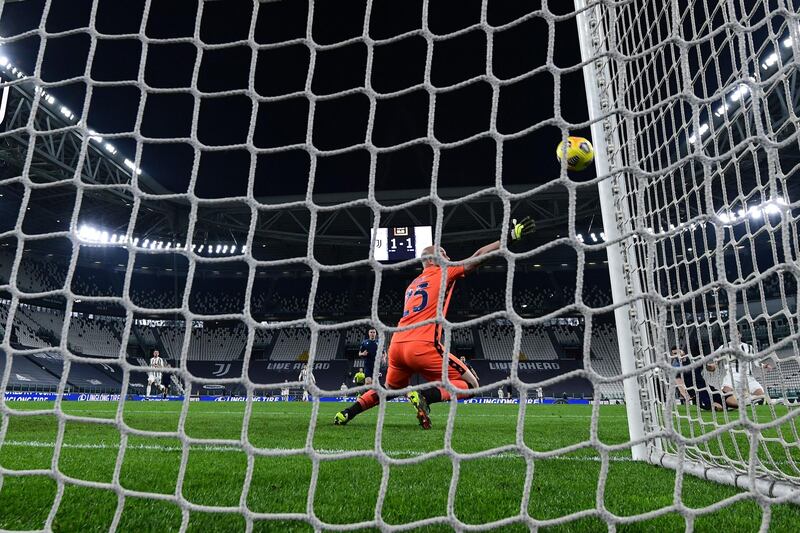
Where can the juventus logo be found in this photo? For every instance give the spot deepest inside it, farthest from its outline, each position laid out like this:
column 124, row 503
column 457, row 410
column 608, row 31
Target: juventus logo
column 222, row 369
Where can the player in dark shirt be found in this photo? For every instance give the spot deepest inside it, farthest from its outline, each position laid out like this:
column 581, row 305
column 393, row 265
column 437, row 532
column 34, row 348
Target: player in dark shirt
column 692, row 385
column 369, row 350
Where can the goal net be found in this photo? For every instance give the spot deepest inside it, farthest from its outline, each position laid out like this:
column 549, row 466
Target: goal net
column 692, row 111
column 694, row 106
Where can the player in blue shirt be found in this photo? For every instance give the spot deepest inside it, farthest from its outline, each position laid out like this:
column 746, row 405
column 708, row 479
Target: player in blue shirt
column 369, row 350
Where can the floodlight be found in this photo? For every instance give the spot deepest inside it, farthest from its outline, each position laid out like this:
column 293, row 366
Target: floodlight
column 740, row 91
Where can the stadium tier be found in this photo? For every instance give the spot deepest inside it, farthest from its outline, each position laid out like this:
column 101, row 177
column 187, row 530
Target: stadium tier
column 216, row 346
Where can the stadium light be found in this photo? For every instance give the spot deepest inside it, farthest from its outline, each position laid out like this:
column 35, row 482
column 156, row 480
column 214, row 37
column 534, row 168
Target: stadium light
column 602, row 235
column 244, row 248
column 145, row 243
column 701, row 131
column 104, row 236
column 770, row 60
column 721, row 109
column 741, row 90
column 225, row 249
column 594, row 237
column 136, row 241
column 114, row 238
column 201, row 247
column 219, row 247
column 169, row 245
column 131, row 165
column 580, row 237
column 66, row 112
column 110, row 148
column 787, row 42
column 3, row 61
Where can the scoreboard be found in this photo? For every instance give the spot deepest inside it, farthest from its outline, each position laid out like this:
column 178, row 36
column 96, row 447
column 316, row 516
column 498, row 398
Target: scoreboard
column 402, row 243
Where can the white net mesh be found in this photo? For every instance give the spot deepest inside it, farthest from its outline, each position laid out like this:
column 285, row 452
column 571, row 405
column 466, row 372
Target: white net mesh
column 700, row 139
column 696, row 108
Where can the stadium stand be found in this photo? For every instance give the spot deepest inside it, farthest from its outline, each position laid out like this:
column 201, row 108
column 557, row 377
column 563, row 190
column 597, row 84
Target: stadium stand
column 95, row 328
column 567, row 335
column 498, row 343
column 82, row 377
column 26, row 375
column 218, row 343
column 96, row 336
column 605, row 359
column 293, row 344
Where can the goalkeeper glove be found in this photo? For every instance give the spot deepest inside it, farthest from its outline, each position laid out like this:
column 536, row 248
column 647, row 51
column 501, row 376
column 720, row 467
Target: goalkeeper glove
column 521, row 229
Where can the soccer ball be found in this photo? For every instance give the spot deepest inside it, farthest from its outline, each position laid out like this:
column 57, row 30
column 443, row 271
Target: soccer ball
column 580, row 153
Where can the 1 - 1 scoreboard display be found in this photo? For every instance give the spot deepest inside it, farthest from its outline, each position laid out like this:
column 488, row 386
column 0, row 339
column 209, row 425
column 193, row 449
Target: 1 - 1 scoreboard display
column 400, row 244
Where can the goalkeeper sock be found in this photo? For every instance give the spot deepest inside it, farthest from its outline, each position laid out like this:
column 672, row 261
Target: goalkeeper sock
column 441, row 395
column 367, row 400
column 435, row 395
column 353, row 410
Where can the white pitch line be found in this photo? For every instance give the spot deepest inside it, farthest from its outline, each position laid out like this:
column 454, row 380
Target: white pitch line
column 529, row 414
column 201, row 448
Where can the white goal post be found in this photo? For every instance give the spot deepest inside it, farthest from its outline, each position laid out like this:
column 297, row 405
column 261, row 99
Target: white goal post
column 692, row 108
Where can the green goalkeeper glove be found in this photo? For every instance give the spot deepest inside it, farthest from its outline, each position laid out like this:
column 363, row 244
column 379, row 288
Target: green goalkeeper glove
column 521, row 229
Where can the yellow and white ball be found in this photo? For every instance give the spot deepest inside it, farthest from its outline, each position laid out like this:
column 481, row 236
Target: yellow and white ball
column 579, row 152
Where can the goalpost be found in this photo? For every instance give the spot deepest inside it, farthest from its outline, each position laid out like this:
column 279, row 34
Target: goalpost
column 693, row 109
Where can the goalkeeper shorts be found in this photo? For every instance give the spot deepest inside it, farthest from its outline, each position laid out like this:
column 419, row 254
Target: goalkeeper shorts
column 423, row 358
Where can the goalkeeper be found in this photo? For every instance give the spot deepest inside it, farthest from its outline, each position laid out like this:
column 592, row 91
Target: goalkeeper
column 419, row 350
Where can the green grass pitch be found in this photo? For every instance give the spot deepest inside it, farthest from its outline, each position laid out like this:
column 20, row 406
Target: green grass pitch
column 487, row 490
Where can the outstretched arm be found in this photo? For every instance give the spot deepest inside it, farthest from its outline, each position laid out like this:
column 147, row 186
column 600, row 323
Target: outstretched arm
column 480, row 252
column 519, row 230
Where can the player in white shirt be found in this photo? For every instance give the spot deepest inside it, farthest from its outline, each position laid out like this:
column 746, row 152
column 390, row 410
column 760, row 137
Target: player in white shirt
column 285, row 391
column 739, row 371
column 306, row 373
column 154, row 377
